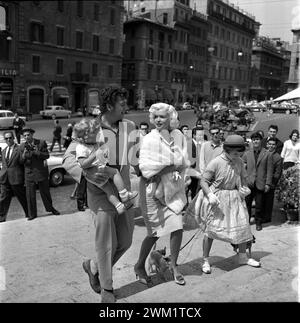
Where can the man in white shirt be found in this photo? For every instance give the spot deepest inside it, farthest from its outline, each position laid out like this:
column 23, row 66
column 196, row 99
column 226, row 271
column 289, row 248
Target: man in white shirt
column 11, row 177
column 210, row 149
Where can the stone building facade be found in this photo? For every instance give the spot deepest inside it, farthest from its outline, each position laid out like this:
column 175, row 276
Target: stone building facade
column 67, row 51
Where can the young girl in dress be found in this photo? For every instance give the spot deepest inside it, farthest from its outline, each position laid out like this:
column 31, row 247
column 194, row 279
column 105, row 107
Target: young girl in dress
column 92, row 153
column 220, row 206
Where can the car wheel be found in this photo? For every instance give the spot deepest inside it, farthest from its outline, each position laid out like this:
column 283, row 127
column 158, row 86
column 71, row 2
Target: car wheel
column 287, row 112
column 53, row 116
column 271, row 111
column 56, row 177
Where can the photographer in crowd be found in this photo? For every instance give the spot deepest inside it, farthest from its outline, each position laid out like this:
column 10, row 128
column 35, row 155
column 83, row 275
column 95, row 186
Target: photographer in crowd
column 33, row 154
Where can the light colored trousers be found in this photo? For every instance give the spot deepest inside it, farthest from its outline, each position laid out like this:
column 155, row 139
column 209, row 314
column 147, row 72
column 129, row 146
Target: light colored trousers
column 113, row 237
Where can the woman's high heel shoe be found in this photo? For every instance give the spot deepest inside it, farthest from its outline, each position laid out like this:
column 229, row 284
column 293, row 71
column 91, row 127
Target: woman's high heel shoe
column 142, row 276
column 179, row 279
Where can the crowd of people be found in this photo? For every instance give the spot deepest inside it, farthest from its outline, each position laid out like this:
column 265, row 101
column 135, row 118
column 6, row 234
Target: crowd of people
column 223, row 176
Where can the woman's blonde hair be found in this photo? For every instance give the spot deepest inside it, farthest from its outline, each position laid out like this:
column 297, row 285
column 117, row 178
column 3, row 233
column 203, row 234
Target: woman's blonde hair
column 160, row 106
column 85, row 126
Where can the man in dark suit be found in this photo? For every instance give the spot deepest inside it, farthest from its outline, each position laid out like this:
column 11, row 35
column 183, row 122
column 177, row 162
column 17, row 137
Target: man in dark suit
column 11, row 177
column 277, row 171
column 198, row 138
column 33, row 154
column 272, row 133
column 259, row 167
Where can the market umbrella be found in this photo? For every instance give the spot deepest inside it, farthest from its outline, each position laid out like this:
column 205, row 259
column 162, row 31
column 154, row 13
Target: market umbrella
column 295, row 94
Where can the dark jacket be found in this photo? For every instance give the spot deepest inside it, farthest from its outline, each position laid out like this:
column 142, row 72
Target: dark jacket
column 13, row 172
column 57, row 132
column 18, row 124
column 36, row 168
column 261, row 172
column 277, row 168
column 279, row 145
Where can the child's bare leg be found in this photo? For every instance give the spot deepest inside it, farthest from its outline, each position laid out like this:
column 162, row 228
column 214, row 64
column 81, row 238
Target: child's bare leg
column 108, row 189
column 124, row 194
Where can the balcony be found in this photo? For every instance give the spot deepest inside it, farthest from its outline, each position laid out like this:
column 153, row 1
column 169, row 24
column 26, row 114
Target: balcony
column 79, row 78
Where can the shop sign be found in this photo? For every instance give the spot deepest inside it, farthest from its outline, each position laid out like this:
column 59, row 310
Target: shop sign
column 7, row 72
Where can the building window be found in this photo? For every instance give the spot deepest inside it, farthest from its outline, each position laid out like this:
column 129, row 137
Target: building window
column 169, row 57
column 132, row 52
column 160, row 56
column 167, row 74
column 95, row 69
column 161, row 38
column 37, row 32
column 110, row 71
column 78, row 66
column 131, row 72
column 59, row 66
column 96, row 12
column 151, row 37
column 150, row 53
column 60, row 6
column 165, row 18
column 60, row 36
column 35, row 64
column 95, row 43
column 158, row 73
column 79, row 8
column 112, row 17
column 180, row 58
column 170, row 41
column 175, row 56
column 111, row 46
column 79, row 39
column 216, row 31
column 149, row 72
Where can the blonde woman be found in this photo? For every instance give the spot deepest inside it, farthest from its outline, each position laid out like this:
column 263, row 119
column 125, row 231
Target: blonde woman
column 162, row 163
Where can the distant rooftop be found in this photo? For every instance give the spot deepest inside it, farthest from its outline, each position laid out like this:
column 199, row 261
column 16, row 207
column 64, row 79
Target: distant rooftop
column 244, row 12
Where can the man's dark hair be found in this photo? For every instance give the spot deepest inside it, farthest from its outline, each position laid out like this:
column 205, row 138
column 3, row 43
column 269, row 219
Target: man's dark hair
column 271, row 139
column 196, row 128
column 109, row 96
column 256, row 135
column 183, row 126
column 273, row 126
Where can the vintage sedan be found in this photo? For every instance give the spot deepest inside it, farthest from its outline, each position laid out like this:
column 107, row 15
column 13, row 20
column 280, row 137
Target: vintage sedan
column 6, row 119
column 55, row 111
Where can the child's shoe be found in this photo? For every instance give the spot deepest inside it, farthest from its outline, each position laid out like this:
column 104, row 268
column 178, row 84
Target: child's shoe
column 128, row 196
column 121, row 208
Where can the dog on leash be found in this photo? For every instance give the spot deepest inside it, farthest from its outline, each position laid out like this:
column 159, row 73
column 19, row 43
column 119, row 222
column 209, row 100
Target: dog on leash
column 248, row 246
column 158, row 262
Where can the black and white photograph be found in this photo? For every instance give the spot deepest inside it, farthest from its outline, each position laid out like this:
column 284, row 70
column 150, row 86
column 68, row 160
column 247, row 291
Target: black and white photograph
column 150, row 154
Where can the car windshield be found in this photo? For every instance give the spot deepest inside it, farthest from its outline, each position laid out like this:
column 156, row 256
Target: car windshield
column 2, row 114
column 48, row 108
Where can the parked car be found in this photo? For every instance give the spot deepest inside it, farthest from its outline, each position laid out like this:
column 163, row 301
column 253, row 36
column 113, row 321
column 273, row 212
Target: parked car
column 284, row 107
column 56, row 170
column 55, row 111
column 6, row 119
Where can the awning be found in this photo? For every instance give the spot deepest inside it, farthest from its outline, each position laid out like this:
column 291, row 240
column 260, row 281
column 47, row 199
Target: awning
column 150, row 94
column 167, row 94
column 295, row 94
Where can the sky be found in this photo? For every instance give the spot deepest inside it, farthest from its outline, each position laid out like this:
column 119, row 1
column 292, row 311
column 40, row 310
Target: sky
column 277, row 17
